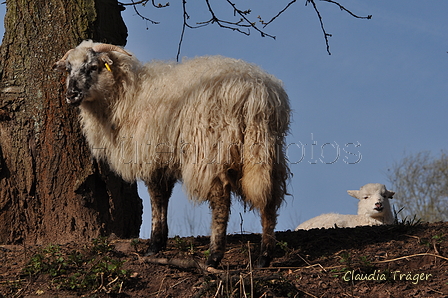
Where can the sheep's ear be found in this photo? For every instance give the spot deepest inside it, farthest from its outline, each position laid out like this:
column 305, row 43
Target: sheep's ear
column 106, row 59
column 59, row 66
column 390, row 194
column 353, row 193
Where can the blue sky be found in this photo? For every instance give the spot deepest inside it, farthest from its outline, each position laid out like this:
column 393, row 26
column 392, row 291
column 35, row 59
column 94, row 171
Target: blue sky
column 384, row 89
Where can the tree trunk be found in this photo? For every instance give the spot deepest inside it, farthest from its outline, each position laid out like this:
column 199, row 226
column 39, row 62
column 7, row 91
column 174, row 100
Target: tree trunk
column 50, row 189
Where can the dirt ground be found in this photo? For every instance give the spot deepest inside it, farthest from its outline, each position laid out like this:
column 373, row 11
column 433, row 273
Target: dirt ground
column 382, row 261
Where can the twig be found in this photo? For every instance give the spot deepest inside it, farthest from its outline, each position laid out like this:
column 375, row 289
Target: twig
column 242, row 287
column 184, row 25
column 152, row 294
column 326, row 35
column 348, row 11
column 143, row 2
column 101, row 287
column 435, row 248
column 5, row 282
column 218, row 288
column 178, row 283
column 160, row 5
column 161, row 284
column 250, row 271
column 338, row 266
column 309, row 294
column 309, row 265
column 115, row 279
column 134, row 5
column 438, row 292
column 278, row 14
column 221, row 23
column 244, row 22
column 411, row 256
column 252, row 24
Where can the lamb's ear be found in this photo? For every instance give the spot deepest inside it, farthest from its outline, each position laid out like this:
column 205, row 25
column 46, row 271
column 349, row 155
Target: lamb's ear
column 390, row 194
column 353, row 193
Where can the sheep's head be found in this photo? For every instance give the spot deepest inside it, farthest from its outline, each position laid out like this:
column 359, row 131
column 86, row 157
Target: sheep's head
column 373, row 200
column 89, row 70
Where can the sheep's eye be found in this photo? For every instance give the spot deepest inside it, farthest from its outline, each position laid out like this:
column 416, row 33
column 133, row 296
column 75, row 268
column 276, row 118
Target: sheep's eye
column 93, row 68
column 366, row 197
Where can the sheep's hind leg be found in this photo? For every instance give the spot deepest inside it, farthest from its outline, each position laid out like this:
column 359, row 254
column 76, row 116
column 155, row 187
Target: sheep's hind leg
column 220, row 205
column 268, row 222
column 160, row 191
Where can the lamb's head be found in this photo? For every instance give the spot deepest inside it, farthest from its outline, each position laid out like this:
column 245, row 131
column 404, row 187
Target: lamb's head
column 374, row 200
column 89, row 70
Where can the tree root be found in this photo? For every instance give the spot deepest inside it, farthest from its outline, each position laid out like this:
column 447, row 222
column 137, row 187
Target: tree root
column 189, row 264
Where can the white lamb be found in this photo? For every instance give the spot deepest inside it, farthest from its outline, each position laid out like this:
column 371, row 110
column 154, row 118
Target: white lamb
column 373, row 209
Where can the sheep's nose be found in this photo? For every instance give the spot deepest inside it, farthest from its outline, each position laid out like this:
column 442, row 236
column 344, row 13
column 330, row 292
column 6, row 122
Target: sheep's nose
column 71, row 94
column 73, row 97
column 378, row 206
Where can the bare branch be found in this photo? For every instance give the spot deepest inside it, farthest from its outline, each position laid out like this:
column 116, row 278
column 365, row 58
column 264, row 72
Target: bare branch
column 159, row 5
column 134, row 5
column 238, row 26
column 326, row 35
column 252, row 24
column 348, row 11
column 144, row 2
column 244, row 24
column 278, row 14
column 184, row 25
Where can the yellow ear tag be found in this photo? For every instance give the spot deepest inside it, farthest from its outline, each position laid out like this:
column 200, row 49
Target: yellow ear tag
column 107, row 67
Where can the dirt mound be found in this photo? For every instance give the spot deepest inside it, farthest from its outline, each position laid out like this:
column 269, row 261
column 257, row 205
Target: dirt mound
column 381, row 261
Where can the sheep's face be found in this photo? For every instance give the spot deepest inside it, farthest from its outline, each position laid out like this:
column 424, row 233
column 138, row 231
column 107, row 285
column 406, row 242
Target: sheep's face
column 373, row 200
column 88, row 74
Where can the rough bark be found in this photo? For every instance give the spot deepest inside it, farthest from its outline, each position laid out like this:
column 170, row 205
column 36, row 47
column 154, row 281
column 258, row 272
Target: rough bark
column 50, row 188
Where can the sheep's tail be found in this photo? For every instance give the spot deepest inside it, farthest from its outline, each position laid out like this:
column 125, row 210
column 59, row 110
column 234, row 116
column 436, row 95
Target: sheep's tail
column 265, row 171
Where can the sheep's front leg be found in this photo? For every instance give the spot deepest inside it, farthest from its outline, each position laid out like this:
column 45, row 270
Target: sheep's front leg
column 160, row 193
column 220, row 205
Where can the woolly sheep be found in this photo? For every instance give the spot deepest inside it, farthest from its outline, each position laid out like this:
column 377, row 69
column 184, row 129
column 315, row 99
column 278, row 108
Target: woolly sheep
column 373, row 209
column 216, row 124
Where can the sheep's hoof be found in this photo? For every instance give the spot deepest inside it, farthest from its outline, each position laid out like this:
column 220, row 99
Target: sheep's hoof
column 213, row 260
column 154, row 248
column 263, row 261
column 149, row 253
